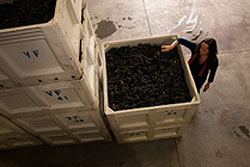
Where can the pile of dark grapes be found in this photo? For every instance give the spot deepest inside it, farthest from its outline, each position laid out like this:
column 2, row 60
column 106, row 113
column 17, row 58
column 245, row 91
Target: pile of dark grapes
column 143, row 76
column 26, row 12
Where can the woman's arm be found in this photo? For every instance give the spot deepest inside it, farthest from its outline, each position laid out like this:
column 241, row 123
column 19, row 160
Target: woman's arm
column 189, row 44
column 211, row 76
column 166, row 48
column 212, row 72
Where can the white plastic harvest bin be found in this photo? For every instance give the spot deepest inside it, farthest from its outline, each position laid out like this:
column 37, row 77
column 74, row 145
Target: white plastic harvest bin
column 46, row 52
column 66, row 126
column 33, row 100
column 11, row 136
column 156, row 122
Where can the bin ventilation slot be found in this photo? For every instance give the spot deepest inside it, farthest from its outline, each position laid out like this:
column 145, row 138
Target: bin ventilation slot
column 82, row 16
column 80, row 52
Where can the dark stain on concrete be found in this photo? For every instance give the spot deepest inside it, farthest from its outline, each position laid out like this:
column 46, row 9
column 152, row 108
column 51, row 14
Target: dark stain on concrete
column 117, row 5
column 131, row 27
column 212, row 112
column 129, row 18
column 105, row 28
column 119, row 26
column 206, row 34
column 197, row 35
column 244, row 130
column 219, row 154
column 123, row 18
column 237, row 134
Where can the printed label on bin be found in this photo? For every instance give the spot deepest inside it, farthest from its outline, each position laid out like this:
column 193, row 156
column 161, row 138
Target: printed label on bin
column 30, row 58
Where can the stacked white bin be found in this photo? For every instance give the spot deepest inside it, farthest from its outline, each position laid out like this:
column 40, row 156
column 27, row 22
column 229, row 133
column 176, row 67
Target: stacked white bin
column 49, row 82
column 44, row 53
column 150, row 123
column 11, row 136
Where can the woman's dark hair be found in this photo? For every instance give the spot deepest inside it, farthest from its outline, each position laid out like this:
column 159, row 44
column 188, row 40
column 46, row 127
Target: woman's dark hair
column 212, row 49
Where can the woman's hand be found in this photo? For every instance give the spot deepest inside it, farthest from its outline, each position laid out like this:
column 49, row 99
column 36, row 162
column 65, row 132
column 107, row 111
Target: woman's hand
column 206, row 87
column 166, row 48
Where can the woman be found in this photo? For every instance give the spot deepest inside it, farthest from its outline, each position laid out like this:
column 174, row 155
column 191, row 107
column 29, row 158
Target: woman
column 203, row 59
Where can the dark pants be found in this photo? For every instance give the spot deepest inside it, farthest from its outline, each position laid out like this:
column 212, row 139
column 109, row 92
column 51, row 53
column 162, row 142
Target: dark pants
column 199, row 81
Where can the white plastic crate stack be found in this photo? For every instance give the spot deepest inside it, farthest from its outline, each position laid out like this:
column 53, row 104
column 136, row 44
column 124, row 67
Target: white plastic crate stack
column 150, row 123
column 43, row 53
column 11, row 136
column 49, row 82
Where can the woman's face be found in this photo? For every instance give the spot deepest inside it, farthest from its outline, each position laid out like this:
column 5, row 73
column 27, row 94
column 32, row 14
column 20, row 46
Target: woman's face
column 204, row 50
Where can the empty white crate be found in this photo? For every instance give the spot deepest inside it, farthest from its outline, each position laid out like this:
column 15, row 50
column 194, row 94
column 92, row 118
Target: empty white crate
column 44, row 53
column 150, row 123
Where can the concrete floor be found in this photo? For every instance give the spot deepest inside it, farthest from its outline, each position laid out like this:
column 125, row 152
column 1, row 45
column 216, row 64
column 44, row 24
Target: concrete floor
column 219, row 135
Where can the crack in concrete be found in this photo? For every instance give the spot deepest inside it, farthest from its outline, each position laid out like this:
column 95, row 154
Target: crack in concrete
column 149, row 28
